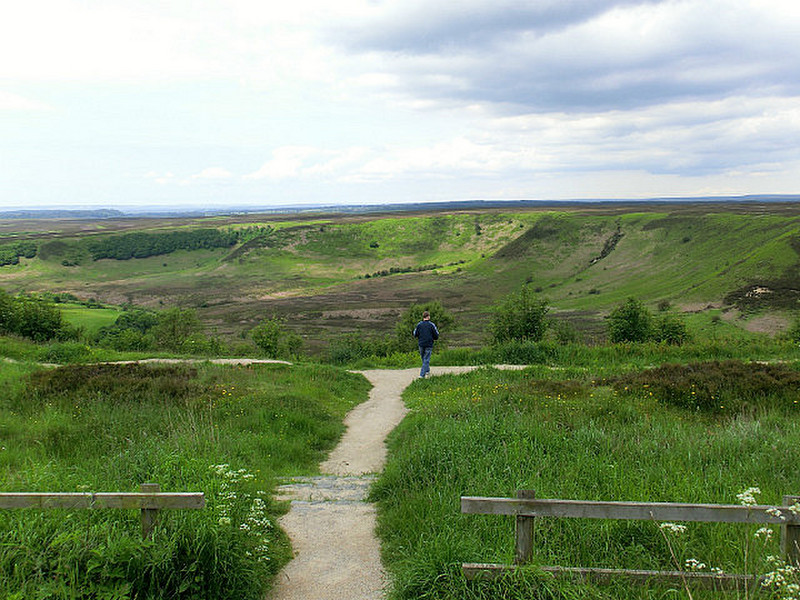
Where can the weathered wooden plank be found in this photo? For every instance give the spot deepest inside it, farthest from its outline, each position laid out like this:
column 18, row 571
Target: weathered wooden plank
column 149, row 516
column 523, row 532
column 790, row 535
column 658, row 511
column 722, row 581
column 81, row 500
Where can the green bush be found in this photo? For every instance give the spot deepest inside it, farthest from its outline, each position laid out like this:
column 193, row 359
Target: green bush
column 132, row 331
column 175, row 326
column 670, row 329
column 630, row 322
column 274, row 340
column 519, row 317
column 33, row 318
column 721, row 387
column 564, row 332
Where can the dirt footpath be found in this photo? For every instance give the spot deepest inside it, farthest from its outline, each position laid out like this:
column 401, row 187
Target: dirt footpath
column 332, row 527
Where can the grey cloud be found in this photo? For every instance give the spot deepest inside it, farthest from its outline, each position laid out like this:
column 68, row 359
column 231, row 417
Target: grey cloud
column 426, row 27
column 550, row 56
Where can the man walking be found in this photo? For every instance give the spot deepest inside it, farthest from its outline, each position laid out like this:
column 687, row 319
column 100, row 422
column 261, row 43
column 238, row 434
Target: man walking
column 426, row 333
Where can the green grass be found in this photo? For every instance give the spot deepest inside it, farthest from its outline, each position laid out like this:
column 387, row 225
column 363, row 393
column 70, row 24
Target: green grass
column 90, row 319
column 110, row 428
column 567, row 434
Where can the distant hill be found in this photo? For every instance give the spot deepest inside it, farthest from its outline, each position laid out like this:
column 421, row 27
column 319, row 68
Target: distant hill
column 102, row 213
column 403, row 207
column 721, row 263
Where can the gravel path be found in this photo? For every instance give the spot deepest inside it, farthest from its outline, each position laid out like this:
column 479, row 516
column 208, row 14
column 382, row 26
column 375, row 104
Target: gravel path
column 332, row 527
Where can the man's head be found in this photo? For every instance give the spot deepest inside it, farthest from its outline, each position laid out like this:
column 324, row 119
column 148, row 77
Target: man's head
column 426, row 316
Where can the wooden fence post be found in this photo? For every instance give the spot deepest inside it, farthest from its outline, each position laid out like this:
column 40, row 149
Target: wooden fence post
column 149, row 515
column 790, row 535
column 523, row 547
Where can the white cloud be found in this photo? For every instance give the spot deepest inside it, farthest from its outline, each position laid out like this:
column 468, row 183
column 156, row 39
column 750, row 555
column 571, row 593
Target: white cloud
column 213, row 173
column 289, row 162
column 10, row 101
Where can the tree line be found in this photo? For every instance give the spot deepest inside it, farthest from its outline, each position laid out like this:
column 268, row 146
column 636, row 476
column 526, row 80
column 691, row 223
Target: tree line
column 11, row 253
column 142, row 245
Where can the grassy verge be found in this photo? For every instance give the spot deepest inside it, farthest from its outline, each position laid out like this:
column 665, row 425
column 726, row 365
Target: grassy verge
column 598, row 359
column 225, row 431
column 567, row 434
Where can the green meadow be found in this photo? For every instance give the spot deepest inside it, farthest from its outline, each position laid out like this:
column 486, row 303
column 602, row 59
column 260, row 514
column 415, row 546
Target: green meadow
column 569, row 433
column 225, row 431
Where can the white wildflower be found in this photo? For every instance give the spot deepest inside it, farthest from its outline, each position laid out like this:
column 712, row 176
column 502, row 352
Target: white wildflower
column 747, row 497
column 673, row 527
column 692, row 564
column 764, row 532
column 774, row 511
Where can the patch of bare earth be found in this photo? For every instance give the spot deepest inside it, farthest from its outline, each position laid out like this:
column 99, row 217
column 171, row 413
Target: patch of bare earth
column 769, row 324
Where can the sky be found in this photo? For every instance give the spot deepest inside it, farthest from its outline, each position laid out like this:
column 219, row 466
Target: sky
column 247, row 103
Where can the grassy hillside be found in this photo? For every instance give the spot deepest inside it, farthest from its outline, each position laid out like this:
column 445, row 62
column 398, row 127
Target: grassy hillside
column 333, row 274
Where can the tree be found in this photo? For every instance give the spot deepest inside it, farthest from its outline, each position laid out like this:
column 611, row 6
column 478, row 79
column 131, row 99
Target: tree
column 267, row 336
column 37, row 320
column 175, row 326
column 521, row 317
column 442, row 318
column 631, row 321
column 274, row 340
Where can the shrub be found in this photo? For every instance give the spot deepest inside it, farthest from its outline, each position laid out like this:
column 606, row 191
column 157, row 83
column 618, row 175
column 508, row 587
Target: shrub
column 670, row 329
column 33, row 318
column 631, row 321
column 130, row 332
column 519, row 317
column 717, row 387
column 175, row 326
column 274, row 340
column 197, row 343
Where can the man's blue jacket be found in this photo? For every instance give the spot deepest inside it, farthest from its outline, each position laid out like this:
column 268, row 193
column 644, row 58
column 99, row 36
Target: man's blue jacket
column 426, row 332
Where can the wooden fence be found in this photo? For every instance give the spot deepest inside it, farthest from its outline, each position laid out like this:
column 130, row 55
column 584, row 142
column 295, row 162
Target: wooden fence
column 149, row 500
column 526, row 507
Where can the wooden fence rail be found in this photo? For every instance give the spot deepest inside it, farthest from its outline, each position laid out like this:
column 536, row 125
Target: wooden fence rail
column 149, row 500
column 526, row 507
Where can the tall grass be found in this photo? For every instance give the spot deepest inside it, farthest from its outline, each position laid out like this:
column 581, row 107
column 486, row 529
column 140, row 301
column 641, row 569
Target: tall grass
column 225, row 431
column 567, row 435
